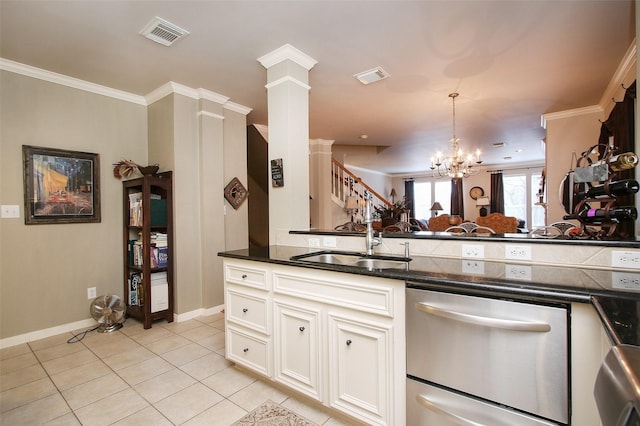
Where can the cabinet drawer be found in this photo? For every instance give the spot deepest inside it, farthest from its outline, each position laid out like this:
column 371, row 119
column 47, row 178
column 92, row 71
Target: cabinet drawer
column 246, row 275
column 248, row 310
column 248, row 350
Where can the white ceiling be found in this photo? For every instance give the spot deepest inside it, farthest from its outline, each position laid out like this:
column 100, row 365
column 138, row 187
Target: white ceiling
column 510, row 60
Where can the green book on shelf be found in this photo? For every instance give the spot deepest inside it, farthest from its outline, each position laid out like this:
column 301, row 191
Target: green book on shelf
column 158, row 212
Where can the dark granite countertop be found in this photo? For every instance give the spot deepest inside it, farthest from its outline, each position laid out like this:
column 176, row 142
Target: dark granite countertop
column 619, row 307
column 519, row 238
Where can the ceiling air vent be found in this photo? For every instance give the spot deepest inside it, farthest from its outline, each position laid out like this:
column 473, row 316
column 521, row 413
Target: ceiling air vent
column 163, row 32
column 371, row 76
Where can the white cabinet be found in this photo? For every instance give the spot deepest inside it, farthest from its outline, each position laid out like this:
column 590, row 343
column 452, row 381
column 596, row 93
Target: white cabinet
column 334, row 337
column 297, row 348
column 248, row 317
column 360, row 372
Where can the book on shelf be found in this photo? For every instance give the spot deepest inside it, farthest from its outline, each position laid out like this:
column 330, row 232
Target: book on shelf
column 163, row 257
column 135, row 289
column 136, row 248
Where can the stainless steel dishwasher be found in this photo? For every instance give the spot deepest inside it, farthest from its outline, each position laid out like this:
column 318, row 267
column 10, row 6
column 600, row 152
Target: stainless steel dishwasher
column 475, row 360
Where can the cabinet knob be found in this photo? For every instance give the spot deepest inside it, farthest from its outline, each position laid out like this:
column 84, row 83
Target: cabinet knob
column 244, row 276
column 348, row 342
column 301, row 329
column 245, row 350
column 245, row 310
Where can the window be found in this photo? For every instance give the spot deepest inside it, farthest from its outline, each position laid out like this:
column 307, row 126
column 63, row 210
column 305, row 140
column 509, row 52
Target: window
column 443, row 195
column 426, row 193
column 422, row 198
column 521, row 196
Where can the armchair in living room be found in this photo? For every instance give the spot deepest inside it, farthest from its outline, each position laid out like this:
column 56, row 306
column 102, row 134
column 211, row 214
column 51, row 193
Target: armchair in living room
column 500, row 223
column 439, row 223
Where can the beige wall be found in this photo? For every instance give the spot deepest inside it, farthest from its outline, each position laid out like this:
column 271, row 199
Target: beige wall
column 566, row 136
column 45, row 269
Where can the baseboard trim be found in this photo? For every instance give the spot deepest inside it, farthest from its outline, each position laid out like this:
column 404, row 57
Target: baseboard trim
column 185, row 316
column 47, row 332
column 87, row 323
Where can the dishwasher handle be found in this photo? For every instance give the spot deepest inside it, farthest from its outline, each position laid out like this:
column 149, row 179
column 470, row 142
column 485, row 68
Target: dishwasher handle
column 507, row 324
column 426, row 403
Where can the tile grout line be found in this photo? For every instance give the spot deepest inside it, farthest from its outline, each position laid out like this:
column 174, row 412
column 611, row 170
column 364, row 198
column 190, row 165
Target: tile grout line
column 54, row 383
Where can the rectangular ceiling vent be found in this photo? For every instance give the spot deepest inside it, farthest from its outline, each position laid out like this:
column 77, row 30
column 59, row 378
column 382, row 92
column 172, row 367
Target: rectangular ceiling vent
column 499, row 145
column 163, row 32
column 372, row 75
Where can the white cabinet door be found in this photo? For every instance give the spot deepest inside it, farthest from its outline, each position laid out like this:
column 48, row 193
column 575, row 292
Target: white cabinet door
column 359, row 368
column 297, row 348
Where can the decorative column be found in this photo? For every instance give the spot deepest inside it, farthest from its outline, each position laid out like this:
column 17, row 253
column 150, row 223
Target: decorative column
column 320, row 183
column 288, row 106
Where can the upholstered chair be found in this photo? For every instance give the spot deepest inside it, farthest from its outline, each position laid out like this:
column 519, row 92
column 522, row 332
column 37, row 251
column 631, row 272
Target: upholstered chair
column 500, row 223
column 439, row 223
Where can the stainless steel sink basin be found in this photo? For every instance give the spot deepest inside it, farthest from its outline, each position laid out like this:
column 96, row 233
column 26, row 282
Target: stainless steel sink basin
column 357, row 260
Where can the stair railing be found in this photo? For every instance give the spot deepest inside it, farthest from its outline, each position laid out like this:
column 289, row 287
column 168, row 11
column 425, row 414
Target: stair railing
column 344, row 184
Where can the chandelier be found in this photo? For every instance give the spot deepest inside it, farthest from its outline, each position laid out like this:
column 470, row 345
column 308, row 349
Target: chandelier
column 456, row 165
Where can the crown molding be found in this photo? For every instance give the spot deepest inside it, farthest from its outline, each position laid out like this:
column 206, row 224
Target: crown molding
column 623, row 77
column 593, row 109
column 64, row 80
column 287, row 52
column 157, row 94
column 232, row 106
column 180, row 89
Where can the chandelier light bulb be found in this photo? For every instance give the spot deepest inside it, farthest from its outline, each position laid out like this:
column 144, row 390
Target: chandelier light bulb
column 457, row 165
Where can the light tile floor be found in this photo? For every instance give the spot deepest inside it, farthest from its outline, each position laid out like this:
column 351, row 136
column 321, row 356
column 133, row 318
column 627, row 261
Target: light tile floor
column 170, row 374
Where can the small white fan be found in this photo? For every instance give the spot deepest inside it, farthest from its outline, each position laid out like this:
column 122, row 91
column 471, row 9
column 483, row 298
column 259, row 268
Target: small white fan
column 109, row 311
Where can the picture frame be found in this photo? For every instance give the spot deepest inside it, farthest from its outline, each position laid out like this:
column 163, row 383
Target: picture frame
column 60, row 186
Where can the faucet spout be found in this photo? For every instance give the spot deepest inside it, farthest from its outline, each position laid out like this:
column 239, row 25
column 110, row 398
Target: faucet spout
column 371, row 240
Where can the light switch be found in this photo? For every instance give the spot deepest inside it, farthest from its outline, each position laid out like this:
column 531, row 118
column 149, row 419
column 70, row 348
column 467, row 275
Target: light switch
column 10, row 211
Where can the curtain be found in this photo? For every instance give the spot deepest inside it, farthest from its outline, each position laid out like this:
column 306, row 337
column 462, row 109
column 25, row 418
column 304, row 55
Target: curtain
column 457, row 199
column 620, row 125
column 497, row 193
column 409, row 197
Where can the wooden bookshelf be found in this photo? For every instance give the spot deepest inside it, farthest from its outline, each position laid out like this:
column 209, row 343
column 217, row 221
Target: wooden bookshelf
column 148, row 247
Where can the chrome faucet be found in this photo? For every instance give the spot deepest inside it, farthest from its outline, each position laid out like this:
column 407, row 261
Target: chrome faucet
column 371, row 241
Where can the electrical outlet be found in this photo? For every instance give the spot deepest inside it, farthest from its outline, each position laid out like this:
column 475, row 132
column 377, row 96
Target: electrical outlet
column 91, row 293
column 10, row 211
column 515, row 252
column 473, row 251
column 625, row 259
column 473, row 266
column 314, row 242
column 625, row 280
column 517, row 272
column 329, row 241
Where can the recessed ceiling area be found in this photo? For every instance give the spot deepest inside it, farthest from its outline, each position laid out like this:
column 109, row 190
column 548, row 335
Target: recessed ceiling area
column 511, row 62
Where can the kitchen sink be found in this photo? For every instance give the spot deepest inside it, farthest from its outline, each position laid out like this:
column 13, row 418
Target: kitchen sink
column 357, row 260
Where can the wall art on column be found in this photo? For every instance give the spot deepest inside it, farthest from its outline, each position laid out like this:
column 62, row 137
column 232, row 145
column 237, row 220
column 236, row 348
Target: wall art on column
column 235, row 193
column 60, row 186
column 277, row 174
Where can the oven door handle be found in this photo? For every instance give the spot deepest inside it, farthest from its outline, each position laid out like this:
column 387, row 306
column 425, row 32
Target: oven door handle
column 515, row 325
column 430, row 405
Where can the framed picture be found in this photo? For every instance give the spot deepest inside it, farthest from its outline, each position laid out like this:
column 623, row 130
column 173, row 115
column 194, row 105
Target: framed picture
column 60, row 186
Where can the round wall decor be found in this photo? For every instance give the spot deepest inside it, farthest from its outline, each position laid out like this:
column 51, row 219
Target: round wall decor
column 476, row 192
